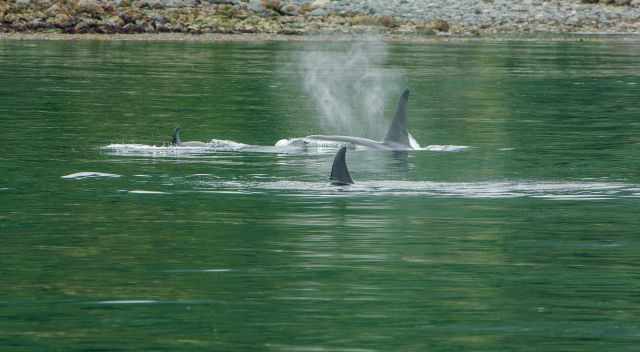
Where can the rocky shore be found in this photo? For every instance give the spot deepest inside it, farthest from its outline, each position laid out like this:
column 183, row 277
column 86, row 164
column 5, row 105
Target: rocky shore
column 298, row 17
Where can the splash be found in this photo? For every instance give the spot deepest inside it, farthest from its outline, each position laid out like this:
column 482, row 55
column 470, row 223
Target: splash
column 214, row 145
column 349, row 85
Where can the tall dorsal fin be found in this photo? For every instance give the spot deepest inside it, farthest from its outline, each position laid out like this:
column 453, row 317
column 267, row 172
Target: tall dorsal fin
column 339, row 172
column 398, row 133
column 176, row 137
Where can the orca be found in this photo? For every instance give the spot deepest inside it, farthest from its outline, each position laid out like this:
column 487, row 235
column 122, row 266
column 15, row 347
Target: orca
column 177, row 142
column 339, row 172
column 397, row 137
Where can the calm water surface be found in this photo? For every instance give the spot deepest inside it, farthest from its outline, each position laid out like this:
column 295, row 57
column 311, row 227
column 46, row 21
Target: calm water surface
column 526, row 241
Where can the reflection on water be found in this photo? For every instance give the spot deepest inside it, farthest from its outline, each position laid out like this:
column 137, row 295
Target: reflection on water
column 112, row 240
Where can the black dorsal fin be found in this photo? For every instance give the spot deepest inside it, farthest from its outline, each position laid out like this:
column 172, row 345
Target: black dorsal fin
column 176, row 137
column 339, row 173
column 398, row 133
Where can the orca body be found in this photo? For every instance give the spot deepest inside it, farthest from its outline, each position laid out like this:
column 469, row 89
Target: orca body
column 397, row 137
column 177, row 142
column 339, row 172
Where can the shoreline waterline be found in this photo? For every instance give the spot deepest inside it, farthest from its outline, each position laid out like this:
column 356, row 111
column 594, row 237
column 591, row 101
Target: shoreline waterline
column 263, row 37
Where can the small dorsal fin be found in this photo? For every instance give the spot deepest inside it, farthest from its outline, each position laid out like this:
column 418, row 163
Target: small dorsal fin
column 176, row 137
column 398, row 133
column 339, row 172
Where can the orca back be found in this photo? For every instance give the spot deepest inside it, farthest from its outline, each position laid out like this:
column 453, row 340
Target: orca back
column 398, row 134
column 339, row 173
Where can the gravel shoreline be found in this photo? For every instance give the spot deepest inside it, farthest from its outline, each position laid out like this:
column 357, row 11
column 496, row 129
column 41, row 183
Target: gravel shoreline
column 392, row 18
column 264, row 37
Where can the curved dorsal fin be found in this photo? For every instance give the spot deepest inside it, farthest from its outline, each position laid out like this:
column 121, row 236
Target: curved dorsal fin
column 339, row 172
column 398, row 133
column 176, row 137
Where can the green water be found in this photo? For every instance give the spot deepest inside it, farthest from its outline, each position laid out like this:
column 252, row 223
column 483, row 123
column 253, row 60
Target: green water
column 526, row 241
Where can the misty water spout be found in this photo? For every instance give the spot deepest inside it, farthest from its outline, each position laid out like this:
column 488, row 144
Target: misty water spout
column 349, row 85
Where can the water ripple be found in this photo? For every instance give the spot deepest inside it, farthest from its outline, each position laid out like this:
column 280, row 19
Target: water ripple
column 508, row 189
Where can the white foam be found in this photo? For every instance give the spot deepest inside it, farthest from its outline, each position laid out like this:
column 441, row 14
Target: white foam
column 139, row 191
column 413, row 143
column 445, row 148
column 213, row 145
column 88, row 174
column 287, row 145
column 150, row 150
column 140, row 301
column 577, row 191
column 225, row 144
column 304, row 142
column 307, row 143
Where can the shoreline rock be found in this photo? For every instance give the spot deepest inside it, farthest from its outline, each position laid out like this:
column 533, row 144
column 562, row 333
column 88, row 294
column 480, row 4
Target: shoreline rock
column 298, row 17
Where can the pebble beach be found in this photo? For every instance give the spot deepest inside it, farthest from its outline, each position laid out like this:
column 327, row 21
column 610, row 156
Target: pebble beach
column 410, row 19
